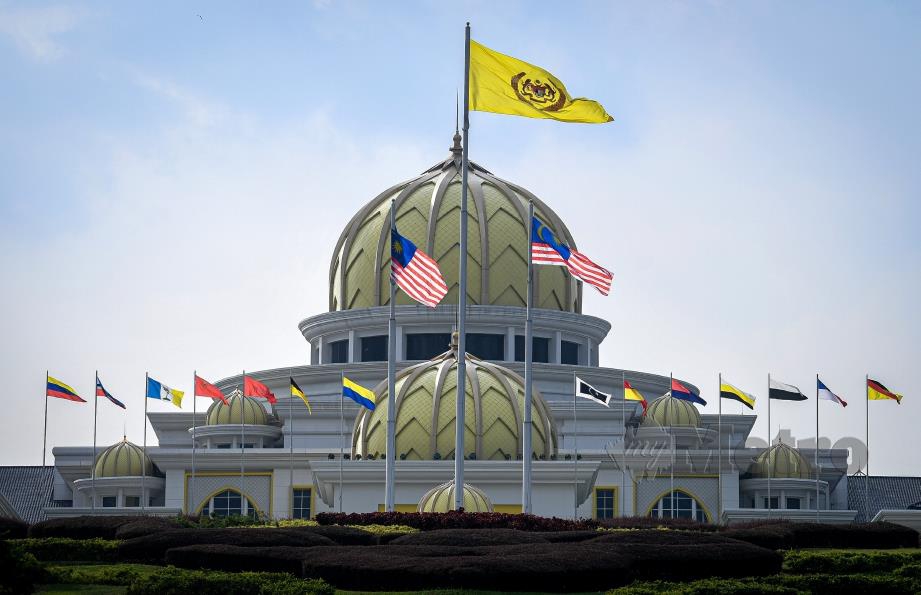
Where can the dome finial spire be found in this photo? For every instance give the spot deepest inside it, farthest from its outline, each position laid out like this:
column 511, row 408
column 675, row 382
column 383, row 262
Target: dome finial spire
column 457, row 149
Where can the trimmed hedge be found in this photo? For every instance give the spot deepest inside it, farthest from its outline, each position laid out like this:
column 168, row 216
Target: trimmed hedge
column 784, row 535
column 19, row 571
column 687, row 562
column 145, row 526
column 470, row 537
column 845, row 562
column 65, row 549
column 822, row 584
column 659, row 537
column 173, row 581
column 83, row 527
column 340, row 535
column 235, row 558
column 13, row 528
column 570, row 536
column 427, row 521
column 646, row 522
column 154, row 547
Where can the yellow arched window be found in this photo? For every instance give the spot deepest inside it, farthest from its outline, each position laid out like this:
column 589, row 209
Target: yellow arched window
column 679, row 505
column 229, row 503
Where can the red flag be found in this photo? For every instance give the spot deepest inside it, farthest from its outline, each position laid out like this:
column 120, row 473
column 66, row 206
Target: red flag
column 254, row 388
column 203, row 388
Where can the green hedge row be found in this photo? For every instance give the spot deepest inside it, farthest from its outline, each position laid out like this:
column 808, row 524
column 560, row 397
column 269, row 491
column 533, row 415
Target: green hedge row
column 783, row 584
column 175, row 581
column 847, row 562
column 63, row 549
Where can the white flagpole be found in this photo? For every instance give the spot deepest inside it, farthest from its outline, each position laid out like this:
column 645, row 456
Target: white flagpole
column 575, row 457
column 242, row 442
column 144, row 465
column 462, row 295
column 817, row 448
column 526, row 445
column 866, row 479
column 291, row 448
column 389, row 470
column 95, row 413
column 341, row 432
column 45, row 433
column 190, row 496
column 623, row 446
column 769, row 455
column 671, row 467
column 719, row 460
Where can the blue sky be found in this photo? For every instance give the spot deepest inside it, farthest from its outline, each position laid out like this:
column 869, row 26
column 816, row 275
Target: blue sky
column 171, row 186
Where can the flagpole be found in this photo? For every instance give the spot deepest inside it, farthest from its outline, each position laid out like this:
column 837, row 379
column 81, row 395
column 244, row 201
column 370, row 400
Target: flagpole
column 45, row 433
column 575, row 442
column 95, row 413
column 719, row 460
column 341, row 426
column 291, row 450
column 671, row 466
column 623, row 446
column 144, row 465
column 191, row 491
column 769, row 455
column 242, row 443
column 866, row 479
column 460, row 426
column 817, row 448
column 526, row 446
column 391, row 385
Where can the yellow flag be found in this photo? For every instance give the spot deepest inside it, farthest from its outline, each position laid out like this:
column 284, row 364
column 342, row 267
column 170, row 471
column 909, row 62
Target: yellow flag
column 505, row 85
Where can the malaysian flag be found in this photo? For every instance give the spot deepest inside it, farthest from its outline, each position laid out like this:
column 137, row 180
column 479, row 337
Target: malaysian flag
column 415, row 272
column 546, row 249
column 102, row 392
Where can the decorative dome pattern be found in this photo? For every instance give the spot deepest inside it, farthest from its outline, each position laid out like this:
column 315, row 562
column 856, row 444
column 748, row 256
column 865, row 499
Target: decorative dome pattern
column 667, row 411
column 781, row 462
column 254, row 414
column 426, row 406
column 124, row 459
column 441, row 499
column 428, row 213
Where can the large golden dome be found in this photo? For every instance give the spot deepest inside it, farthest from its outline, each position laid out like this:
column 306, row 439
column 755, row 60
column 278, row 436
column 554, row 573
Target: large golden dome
column 254, row 414
column 428, row 213
column 781, row 461
column 426, row 407
column 124, row 459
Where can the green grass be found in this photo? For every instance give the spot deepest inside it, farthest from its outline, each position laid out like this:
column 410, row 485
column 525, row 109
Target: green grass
column 89, row 589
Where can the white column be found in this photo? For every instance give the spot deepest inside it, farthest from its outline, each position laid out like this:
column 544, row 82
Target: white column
column 557, row 347
column 321, row 351
column 400, row 353
column 353, row 347
column 510, row 344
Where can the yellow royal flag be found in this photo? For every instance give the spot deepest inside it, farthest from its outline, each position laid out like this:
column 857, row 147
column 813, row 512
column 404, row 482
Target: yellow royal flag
column 505, row 85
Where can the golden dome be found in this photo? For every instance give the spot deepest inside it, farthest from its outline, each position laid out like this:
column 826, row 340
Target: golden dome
column 783, row 462
column 124, row 459
column 668, row 411
column 441, row 499
column 428, row 213
column 254, row 414
column 426, row 407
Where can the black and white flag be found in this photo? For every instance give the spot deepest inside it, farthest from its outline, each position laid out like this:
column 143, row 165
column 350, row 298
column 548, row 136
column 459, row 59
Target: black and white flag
column 785, row 392
column 587, row 391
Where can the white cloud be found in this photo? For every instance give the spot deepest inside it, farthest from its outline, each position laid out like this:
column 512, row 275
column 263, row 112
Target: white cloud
column 35, row 30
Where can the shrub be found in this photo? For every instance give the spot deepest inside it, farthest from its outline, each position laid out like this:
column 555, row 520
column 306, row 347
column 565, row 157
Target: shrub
column 13, row 528
column 659, row 537
column 783, row 535
column 145, row 526
column 93, row 575
column 569, row 536
column 296, row 523
column 844, row 562
column 65, row 549
column 342, row 535
column 530, row 567
column 153, row 547
column 854, row 584
column 646, row 522
column 687, row 562
column 173, row 581
column 235, row 558
column 710, row 586
column 457, row 520
column 82, row 527
column 470, row 537
column 19, row 570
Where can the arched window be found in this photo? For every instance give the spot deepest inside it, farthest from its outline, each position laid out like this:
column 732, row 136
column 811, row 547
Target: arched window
column 229, row 503
column 680, row 505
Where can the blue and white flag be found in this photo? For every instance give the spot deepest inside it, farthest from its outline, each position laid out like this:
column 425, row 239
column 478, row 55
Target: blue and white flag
column 825, row 393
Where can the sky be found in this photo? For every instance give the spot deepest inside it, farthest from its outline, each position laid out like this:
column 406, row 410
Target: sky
column 174, row 176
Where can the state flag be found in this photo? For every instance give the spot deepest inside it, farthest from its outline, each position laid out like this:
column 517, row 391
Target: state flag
column 203, row 388
column 587, row 391
column 785, row 392
column 254, row 388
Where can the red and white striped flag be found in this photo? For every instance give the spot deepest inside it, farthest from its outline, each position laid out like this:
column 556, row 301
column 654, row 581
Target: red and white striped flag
column 545, row 249
column 415, row 272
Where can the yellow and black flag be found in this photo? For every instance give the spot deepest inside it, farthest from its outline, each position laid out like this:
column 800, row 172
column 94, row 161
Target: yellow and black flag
column 504, row 85
column 297, row 392
column 877, row 392
column 727, row 391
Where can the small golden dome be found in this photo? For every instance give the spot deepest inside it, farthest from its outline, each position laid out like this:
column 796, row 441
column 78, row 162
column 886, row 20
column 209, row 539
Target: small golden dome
column 254, row 414
column 781, row 462
column 124, row 459
column 441, row 499
column 427, row 406
column 668, row 411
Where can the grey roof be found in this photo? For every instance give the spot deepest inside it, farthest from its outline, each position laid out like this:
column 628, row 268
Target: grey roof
column 886, row 493
column 27, row 490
